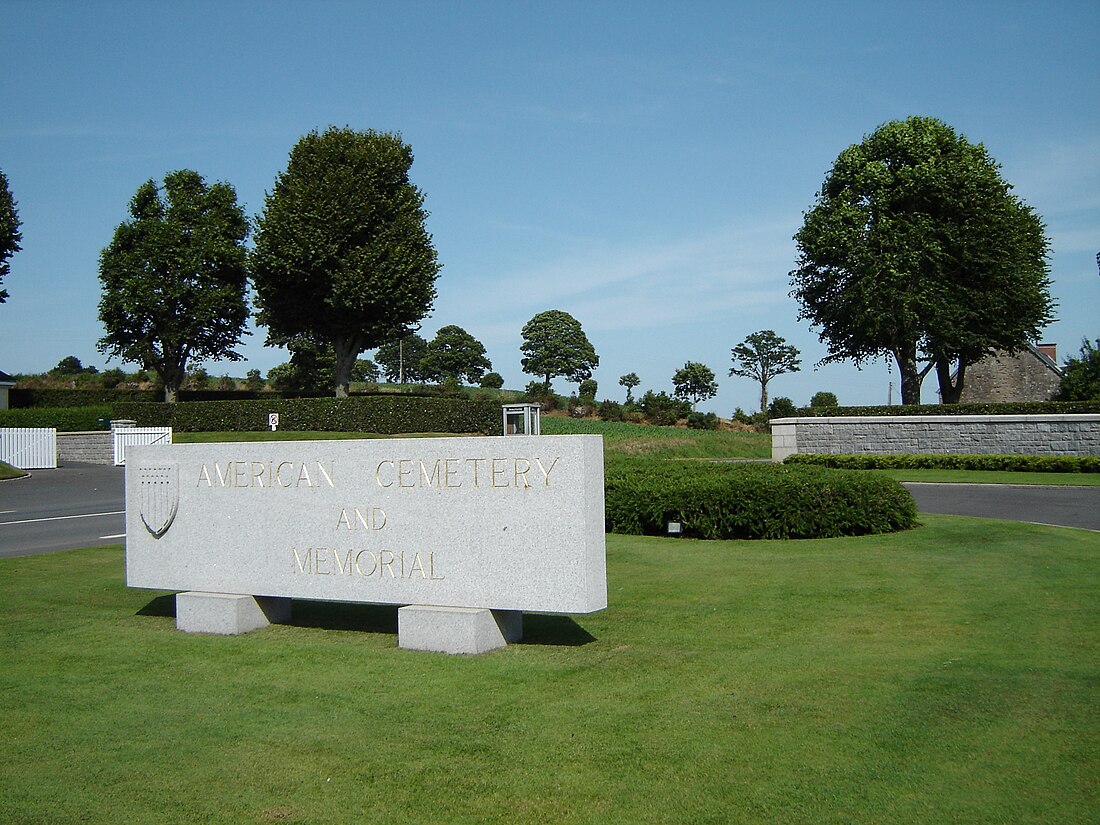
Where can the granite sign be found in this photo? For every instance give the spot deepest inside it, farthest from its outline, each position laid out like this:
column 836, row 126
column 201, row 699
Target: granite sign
column 489, row 524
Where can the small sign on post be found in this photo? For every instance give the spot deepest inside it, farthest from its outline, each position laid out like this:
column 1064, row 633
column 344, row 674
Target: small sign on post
column 273, row 421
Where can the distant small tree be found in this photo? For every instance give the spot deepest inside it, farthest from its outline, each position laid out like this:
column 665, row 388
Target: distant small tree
column 69, row 365
column 630, row 381
column 492, row 380
column 661, row 408
column 782, row 408
column 400, row 359
column 454, row 354
column 588, row 388
column 9, row 232
column 364, row 370
column 112, row 378
column 226, row 383
column 309, row 370
column 1081, row 376
column 762, row 356
column 555, row 344
column 198, row 378
column 824, row 399
column 702, row 421
column 694, row 382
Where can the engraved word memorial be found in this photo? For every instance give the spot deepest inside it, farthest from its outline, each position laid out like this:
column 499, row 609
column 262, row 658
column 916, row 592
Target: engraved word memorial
column 464, row 533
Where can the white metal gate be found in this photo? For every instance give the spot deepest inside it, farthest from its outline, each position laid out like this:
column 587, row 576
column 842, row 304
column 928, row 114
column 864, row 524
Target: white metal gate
column 134, row 436
column 29, row 448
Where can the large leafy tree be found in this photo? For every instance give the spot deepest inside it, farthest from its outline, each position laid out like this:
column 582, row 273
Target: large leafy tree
column 762, row 356
column 1081, row 376
column 454, row 354
column 555, row 344
column 174, row 278
column 9, row 232
column 916, row 249
column 694, row 382
column 342, row 253
column 400, row 359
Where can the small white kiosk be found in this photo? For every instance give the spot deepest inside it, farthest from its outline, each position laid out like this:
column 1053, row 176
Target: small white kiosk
column 522, row 419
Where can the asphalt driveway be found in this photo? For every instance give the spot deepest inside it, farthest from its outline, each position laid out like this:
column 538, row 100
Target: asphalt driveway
column 1062, row 506
column 76, row 505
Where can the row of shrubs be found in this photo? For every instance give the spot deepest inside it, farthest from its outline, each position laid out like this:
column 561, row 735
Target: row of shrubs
column 1002, row 408
column 387, row 414
column 28, row 397
column 657, row 408
column 65, row 419
column 1010, row 463
column 751, row 501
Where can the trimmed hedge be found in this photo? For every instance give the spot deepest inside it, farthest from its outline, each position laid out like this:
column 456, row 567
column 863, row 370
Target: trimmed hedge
column 385, row 414
column 961, row 461
column 1015, row 408
column 29, row 397
column 752, row 501
column 64, row 419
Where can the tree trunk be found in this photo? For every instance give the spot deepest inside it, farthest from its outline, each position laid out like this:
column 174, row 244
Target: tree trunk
column 911, row 377
column 172, row 376
column 347, row 350
column 763, row 396
column 950, row 392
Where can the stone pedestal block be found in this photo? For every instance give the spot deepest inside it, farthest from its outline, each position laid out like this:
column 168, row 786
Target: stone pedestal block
column 228, row 614
column 457, row 629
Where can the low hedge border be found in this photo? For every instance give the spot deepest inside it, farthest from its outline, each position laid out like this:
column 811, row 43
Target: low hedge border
column 384, row 414
column 63, row 419
column 961, row 461
column 1006, row 408
column 752, row 501
column 34, row 397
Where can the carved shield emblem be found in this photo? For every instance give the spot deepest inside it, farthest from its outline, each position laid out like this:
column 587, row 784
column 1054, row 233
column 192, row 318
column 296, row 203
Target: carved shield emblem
column 160, row 497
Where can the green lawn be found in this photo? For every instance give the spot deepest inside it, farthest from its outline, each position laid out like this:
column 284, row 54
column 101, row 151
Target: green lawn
column 665, row 442
column 946, row 674
column 7, row 471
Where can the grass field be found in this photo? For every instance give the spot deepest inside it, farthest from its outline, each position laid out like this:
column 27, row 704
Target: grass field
column 7, row 471
column 946, row 674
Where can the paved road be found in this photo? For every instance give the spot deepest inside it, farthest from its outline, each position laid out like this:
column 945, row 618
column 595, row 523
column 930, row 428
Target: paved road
column 1064, row 506
column 82, row 505
column 76, row 505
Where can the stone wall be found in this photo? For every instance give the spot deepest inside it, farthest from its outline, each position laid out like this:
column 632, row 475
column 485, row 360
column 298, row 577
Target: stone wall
column 938, row 434
column 95, row 447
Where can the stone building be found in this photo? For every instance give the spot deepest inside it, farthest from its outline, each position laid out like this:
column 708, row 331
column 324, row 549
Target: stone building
column 1030, row 375
column 6, row 383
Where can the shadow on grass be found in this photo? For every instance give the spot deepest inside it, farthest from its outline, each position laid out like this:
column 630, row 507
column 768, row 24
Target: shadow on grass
column 365, row 618
column 164, row 606
column 553, row 630
column 538, row 629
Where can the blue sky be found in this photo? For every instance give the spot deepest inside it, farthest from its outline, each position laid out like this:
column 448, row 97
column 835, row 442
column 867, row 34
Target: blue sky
column 640, row 165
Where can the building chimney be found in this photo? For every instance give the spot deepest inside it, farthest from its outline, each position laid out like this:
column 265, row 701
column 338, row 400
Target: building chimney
column 1049, row 350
